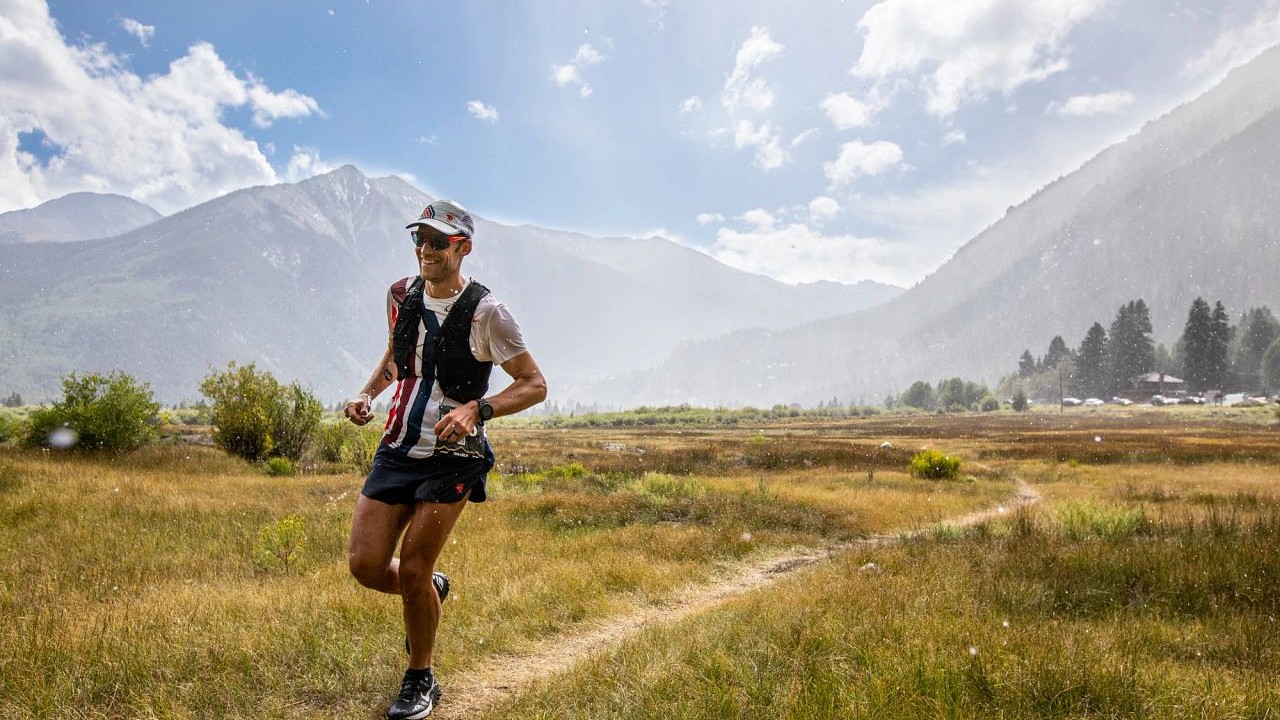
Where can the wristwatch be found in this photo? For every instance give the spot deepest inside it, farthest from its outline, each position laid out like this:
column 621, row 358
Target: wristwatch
column 486, row 410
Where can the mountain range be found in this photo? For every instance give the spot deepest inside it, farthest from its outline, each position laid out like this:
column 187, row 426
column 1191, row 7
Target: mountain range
column 293, row 277
column 78, row 216
column 1188, row 206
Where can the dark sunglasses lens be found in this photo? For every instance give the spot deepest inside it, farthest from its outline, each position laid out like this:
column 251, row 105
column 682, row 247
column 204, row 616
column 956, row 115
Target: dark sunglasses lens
column 434, row 240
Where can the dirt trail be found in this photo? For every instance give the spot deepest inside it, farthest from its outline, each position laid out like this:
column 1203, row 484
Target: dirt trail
column 501, row 678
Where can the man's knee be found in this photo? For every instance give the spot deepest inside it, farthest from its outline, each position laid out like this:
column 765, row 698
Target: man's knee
column 368, row 570
column 415, row 574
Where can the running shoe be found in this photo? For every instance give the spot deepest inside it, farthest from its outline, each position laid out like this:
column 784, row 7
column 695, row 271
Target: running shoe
column 418, row 696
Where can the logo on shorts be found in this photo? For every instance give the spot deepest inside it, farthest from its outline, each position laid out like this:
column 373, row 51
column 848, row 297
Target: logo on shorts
column 458, row 488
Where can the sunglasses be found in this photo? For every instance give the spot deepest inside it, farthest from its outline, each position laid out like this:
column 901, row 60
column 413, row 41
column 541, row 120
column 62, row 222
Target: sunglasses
column 433, row 239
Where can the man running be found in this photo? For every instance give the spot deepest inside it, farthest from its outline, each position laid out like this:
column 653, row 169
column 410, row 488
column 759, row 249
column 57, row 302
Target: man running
column 446, row 333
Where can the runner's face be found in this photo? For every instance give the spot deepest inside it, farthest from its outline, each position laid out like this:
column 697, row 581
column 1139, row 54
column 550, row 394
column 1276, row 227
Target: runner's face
column 440, row 265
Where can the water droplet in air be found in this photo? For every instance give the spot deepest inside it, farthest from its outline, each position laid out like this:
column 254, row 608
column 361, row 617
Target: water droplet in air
column 62, row 438
column 973, row 650
column 746, row 537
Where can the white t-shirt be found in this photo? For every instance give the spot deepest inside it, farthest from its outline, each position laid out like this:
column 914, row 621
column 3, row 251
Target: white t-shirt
column 416, row 405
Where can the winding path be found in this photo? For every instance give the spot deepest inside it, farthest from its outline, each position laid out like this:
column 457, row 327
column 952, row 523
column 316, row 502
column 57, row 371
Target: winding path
column 503, row 677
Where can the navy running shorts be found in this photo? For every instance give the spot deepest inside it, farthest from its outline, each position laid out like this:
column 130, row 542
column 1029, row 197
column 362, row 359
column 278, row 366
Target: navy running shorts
column 396, row 479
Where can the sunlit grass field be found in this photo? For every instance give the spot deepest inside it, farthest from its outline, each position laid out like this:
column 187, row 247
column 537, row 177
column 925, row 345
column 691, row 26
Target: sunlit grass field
column 1143, row 585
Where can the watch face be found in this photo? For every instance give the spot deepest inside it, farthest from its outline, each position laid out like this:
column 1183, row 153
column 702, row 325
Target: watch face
column 486, row 410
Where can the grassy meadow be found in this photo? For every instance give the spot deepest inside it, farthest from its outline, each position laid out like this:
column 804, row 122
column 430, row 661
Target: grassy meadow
column 1143, row 584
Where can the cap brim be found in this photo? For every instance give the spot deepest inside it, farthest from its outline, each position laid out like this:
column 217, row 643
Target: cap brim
column 440, row 225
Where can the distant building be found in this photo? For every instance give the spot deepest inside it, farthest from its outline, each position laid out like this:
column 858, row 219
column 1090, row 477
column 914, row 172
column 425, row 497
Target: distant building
column 1153, row 383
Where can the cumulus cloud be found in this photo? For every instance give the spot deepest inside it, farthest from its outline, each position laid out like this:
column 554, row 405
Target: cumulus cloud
column 571, row 72
column 796, row 253
column 304, row 163
column 760, row 218
column 487, row 113
column 1087, row 105
column 708, row 218
column 764, row 138
column 138, row 30
column 823, row 208
column 966, row 50
column 857, row 159
column 160, row 139
column 846, row 111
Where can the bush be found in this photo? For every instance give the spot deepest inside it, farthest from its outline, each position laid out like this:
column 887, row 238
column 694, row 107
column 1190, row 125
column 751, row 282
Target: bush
column 256, row 417
column 12, row 426
column 331, row 438
column 112, row 412
column 1019, row 400
column 989, row 403
column 280, row 544
column 280, row 467
column 358, row 452
column 934, row 465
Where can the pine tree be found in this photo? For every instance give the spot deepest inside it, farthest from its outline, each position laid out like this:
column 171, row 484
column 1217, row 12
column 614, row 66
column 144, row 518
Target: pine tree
column 1195, row 345
column 1091, row 363
column 1206, row 339
column 1130, row 351
column 1056, row 353
column 1258, row 329
column 1026, row 365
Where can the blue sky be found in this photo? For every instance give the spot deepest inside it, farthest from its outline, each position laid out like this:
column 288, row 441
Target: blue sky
column 802, row 140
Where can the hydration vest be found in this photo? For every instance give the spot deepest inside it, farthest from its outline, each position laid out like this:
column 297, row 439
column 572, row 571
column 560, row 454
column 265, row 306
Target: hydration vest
column 461, row 376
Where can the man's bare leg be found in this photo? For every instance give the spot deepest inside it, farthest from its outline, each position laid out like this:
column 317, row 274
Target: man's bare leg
column 375, row 530
column 423, row 541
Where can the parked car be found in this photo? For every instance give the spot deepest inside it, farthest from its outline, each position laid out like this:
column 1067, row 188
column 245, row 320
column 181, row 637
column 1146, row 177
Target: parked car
column 1072, row 402
column 1162, row 400
column 1093, row 401
column 1121, row 401
column 1192, row 400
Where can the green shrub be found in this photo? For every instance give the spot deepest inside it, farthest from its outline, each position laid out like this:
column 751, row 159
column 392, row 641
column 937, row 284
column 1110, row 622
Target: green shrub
column 1082, row 520
column 280, row 467
column 989, row 403
column 112, row 412
column 12, row 425
column 280, row 544
column 359, row 449
column 1020, row 400
column 256, row 417
column 934, row 465
column 331, row 438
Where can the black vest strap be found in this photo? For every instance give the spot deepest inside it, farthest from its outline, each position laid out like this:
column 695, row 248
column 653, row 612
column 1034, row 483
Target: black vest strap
column 461, row 376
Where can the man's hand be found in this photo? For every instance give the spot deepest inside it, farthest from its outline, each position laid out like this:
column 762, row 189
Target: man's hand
column 459, row 423
column 359, row 410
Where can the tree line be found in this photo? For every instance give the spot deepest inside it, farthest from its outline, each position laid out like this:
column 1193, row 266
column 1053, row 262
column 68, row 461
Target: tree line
column 1211, row 354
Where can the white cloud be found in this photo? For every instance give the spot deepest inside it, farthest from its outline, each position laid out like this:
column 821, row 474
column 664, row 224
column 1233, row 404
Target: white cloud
column 487, row 113
column 804, row 137
column 953, row 137
column 431, row 139
column 797, row 253
column 742, row 90
column 764, row 138
column 823, row 208
column 846, row 111
column 1087, row 105
column 762, row 219
column 306, row 163
column 708, row 218
column 571, row 72
column 967, row 50
column 138, row 30
column 857, row 159
column 690, row 105
column 1238, row 45
column 160, row 139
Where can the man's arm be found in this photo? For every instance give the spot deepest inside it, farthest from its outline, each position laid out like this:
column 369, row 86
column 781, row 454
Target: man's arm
column 527, row 388
column 359, row 409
